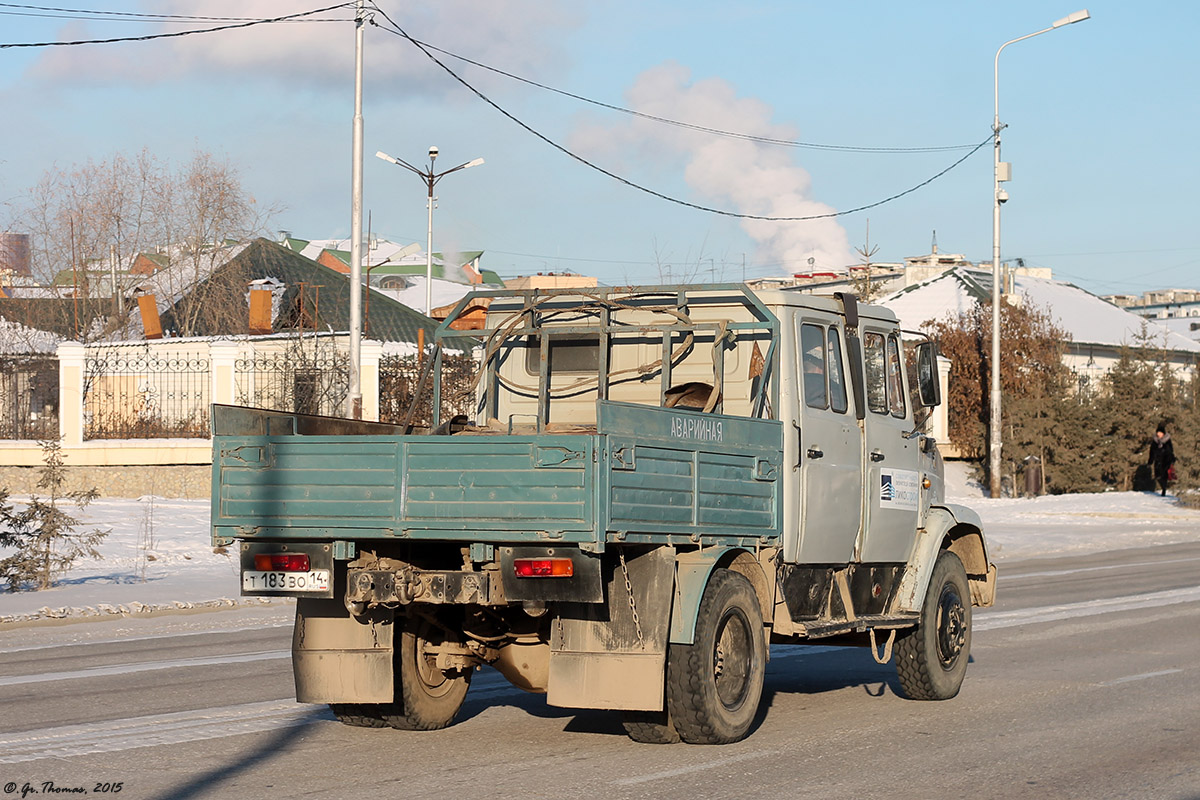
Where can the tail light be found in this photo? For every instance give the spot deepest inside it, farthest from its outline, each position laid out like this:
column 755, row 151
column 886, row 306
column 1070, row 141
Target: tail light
column 281, row 562
column 543, row 567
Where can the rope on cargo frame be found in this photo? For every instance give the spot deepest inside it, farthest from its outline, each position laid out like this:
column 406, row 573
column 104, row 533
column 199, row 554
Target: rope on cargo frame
column 502, row 333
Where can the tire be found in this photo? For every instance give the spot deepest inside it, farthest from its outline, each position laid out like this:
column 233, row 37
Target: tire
column 650, row 727
column 358, row 715
column 427, row 698
column 714, row 685
column 931, row 660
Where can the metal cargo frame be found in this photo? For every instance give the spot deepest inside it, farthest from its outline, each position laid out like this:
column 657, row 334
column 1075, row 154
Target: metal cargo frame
column 537, row 306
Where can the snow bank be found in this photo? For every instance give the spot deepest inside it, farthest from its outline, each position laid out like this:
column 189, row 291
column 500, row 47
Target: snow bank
column 157, row 556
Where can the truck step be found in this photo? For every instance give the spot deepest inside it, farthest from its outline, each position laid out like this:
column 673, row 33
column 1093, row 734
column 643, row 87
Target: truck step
column 817, row 630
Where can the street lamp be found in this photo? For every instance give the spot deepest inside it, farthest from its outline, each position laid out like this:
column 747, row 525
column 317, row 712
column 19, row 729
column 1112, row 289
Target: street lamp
column 431, row 178
column 1002, row 172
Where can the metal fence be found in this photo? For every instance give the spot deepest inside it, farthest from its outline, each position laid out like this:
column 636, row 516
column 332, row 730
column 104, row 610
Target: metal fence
column 399, row 377
column 136, row 393
column 306, row 376
column 157, row 391
column 29, row 396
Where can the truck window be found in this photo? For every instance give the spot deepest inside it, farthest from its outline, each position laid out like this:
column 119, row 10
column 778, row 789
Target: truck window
column 812, row 347
column 895, row 378
column 837, row 385
column 567, row 354
column 876, row 378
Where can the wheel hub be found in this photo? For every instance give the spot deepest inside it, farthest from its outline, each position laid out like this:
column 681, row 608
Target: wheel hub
column 731, row 660
column 951, row 627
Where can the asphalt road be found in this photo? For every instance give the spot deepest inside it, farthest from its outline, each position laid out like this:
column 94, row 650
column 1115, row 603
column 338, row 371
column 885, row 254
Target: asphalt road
column 1082, row 685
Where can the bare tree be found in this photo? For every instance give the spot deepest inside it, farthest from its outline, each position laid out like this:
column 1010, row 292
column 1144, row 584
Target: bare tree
column 90, row 223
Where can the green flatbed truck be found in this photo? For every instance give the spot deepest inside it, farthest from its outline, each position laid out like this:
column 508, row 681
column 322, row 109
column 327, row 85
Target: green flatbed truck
column 649, row 488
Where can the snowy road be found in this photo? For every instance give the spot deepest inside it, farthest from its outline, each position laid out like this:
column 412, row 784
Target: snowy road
column 1081, row 685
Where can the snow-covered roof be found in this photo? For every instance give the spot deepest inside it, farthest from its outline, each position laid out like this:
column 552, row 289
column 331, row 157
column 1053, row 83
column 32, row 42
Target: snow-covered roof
column 381, row 251
column 444, row 292
column 1087, row 318
column 1184, row 326
column 16, row 338
column 171, row 284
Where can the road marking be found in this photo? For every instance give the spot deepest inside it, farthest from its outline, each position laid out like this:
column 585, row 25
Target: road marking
column 144, row 666
column 146, row 638
column 158, row 729
column 1058, row 572
column 1143, row 676
column 675, row 773
column 990, row 620
column 781, row 651
column 116, row 735
column 1185, row 516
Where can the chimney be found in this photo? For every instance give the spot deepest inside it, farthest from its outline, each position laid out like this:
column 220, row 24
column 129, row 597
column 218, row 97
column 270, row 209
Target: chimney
column 150, row 322
column 260, row 311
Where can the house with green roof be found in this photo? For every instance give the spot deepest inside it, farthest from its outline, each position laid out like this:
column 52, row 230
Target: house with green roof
column 309, row 297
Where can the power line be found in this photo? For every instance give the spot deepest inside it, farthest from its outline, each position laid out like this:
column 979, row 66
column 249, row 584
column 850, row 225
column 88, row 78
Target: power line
column 175, row 34
column 401, row 32
column 689, row 125
column 95, row 14
column 102, row 16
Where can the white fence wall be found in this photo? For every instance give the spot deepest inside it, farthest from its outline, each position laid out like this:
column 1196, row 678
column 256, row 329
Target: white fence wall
column 230, row 370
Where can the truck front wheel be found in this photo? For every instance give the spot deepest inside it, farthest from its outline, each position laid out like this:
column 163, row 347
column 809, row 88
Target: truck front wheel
column 427, row 698
column 715, row 683
column 931, row 660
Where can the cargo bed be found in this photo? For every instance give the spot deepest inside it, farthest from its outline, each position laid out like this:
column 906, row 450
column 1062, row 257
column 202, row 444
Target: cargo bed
column 652, row 475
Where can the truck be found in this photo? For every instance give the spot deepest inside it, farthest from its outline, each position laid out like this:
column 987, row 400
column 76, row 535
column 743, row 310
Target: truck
column 642, row 490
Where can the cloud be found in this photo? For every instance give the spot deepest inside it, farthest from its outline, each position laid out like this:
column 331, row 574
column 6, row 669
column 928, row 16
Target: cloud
column 731, row 174
column 508, row 33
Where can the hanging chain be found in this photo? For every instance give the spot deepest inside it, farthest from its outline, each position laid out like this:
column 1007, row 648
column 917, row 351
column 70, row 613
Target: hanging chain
column 637, row 623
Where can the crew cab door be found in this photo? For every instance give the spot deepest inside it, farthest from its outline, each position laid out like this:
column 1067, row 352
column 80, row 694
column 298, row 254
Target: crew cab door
column 892, row 476
column 830, row 444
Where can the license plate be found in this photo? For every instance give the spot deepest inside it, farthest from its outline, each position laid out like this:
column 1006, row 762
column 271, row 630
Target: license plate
column 316, row 580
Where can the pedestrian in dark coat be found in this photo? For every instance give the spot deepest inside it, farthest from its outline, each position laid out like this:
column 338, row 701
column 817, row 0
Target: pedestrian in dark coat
column 1162, row 456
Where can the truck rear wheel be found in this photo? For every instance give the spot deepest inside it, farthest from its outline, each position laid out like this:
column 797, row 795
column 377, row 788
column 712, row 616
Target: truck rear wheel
column 427, row 698
column 931, row 660
column 358, row 715
column 650, row 727
column 715, row 683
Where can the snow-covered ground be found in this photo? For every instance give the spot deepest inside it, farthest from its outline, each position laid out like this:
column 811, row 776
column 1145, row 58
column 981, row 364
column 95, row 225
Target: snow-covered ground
column 157, row 554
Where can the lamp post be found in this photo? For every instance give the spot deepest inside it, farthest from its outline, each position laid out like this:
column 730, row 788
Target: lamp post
column 430, row 178
column 1002, row 171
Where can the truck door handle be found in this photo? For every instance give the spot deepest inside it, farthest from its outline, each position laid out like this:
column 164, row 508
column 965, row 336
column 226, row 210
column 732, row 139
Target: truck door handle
column 877, row 455
column 815, row 452
column 799, row 439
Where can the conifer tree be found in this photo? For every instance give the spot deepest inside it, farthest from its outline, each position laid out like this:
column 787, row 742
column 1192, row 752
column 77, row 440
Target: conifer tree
column 42, row 538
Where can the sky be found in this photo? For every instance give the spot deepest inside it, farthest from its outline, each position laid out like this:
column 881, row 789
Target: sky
column 1100, row 116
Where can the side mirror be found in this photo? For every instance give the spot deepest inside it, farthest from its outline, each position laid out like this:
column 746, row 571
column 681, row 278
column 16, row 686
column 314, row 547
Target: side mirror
column 929, row 387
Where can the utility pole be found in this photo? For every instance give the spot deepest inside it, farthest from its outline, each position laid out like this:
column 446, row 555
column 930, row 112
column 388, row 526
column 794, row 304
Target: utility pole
column 354, row 394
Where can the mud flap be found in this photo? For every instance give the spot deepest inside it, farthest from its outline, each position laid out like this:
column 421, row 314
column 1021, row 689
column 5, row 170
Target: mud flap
column 604, row 655
column 337, row 658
